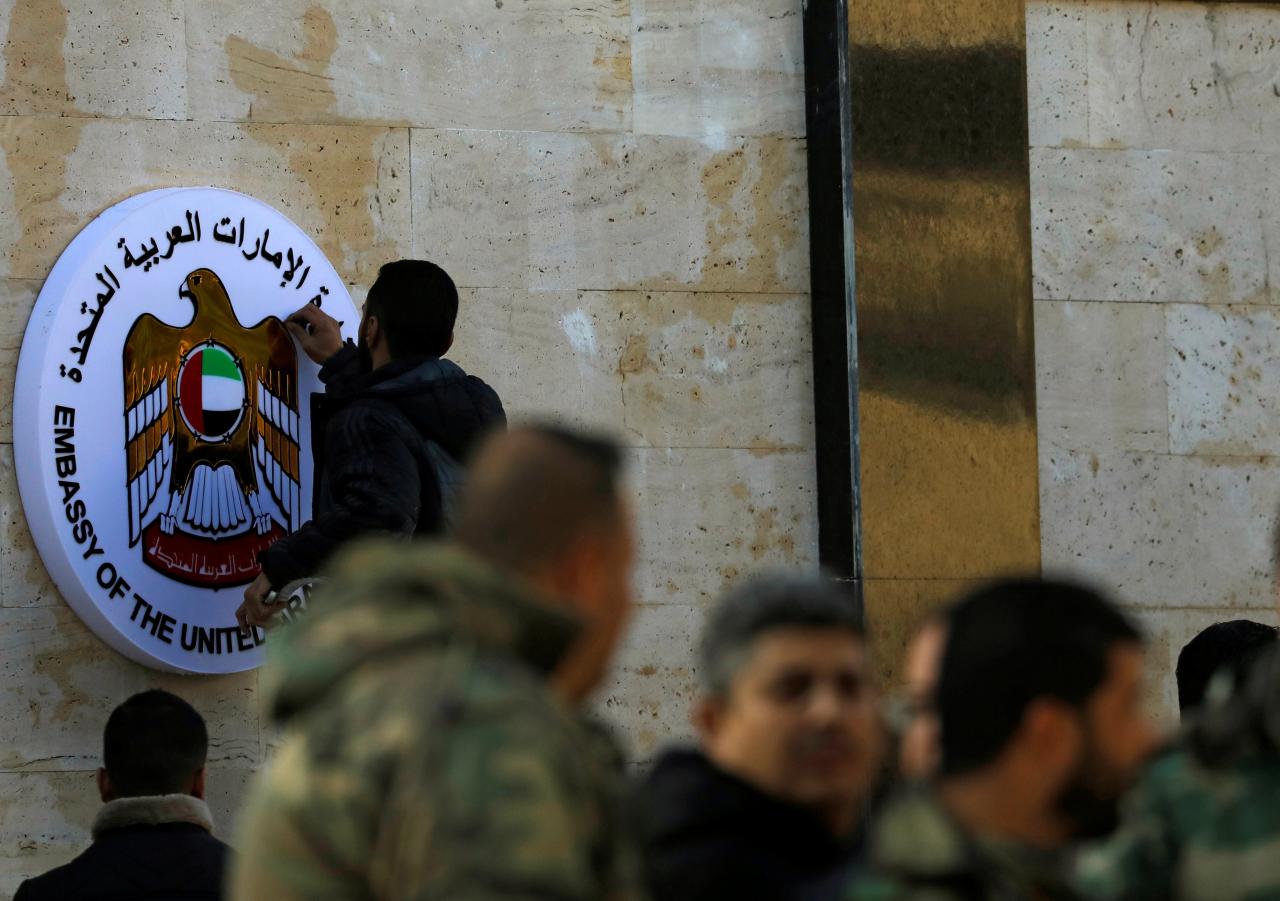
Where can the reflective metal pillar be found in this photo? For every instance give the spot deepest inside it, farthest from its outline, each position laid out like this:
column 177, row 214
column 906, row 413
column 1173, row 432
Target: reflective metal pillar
column 948, row 479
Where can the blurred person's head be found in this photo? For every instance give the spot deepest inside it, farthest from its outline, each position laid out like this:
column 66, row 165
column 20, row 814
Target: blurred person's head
column 1231, row 646
column 544, row 502
column 786, row 702
column 410, row 311
column 918, row 750
column 1040, row 704
column 155, row 743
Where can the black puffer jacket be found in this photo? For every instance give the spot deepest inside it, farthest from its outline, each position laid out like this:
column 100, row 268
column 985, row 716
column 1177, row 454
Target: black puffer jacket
column 708, row 836
column 373, row 465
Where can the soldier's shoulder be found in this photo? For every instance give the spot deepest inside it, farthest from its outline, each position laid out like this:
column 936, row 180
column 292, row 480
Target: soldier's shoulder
column 452, row 691
column 421, row 715
column 498, row 699
column 1177, row 778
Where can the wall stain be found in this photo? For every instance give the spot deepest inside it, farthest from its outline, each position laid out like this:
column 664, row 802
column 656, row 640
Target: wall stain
column 769, row 539
column 36, row 152
column 635, row 356
column 751, row 221
column 343, row 167
column 1217, row 284
column 1208, row 242
column 614, row 88
column 618, row 67
column 59, row 666
column 35, row 66
column 295, row 90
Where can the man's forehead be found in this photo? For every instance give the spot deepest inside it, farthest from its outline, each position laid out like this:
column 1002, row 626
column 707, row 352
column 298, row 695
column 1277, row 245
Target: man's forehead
column 799, row 645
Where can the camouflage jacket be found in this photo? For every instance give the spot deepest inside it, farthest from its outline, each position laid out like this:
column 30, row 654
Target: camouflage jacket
column 1204, row 821
column 423, row 755
column 919, row 853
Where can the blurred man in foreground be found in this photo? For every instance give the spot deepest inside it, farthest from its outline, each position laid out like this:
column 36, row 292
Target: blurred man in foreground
column 151, row 839
column 1204, row 822
column 433, row 746
column 1039, row 701
column 769, row 806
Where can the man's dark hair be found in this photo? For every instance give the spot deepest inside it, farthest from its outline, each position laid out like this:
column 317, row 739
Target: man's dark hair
column 763, row 604
column 153, row 745
column 1010, row 644
column 417, row 305
column 1232, row 646
column 532, row 492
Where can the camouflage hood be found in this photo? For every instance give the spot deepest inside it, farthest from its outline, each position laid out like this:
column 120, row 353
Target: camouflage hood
column 388, row 598
column 1240, row 717
column 918, row 850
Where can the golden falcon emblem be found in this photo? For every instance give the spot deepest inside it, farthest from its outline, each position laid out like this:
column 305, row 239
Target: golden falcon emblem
column 212, row 437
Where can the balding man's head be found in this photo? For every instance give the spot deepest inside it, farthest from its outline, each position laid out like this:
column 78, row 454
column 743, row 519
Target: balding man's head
column 532, row 492
column 544, row 502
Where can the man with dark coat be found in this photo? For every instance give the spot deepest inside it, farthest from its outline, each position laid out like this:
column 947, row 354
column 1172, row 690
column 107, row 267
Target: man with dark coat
column 395, row 423
column 151, row 840
column 769, row 806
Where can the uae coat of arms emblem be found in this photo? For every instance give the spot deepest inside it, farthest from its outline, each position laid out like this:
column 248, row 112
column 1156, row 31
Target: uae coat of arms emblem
column 212, row 431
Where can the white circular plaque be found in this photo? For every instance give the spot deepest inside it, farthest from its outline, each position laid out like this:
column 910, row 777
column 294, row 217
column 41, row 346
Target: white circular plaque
column 161, row 417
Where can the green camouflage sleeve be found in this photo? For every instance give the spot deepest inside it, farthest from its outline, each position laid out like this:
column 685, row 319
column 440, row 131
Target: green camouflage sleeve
column 1140, row 859
column 302, row 834
column 519, row 809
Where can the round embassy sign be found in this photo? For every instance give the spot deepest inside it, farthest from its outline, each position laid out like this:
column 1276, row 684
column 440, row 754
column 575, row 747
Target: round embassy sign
column 162, row 428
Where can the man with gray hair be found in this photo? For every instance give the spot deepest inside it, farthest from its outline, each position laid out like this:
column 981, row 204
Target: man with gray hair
column 770, row 804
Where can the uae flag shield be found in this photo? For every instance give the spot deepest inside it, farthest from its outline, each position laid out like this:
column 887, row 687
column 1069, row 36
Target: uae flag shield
column 211, row 392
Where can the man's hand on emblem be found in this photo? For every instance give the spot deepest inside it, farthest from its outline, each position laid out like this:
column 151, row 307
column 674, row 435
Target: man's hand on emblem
column 255, row 611
column 317, row 333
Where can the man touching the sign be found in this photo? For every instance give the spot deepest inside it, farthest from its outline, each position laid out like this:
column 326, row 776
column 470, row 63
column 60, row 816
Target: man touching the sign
column 391, row 429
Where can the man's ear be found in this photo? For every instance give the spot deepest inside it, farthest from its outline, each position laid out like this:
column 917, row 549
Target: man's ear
column 706, row 715
column 197, row 784
column 372, row 331
column 447, row 345
column 564, row 579
column 106, row 790
column 1052, row 733
column 578, row 571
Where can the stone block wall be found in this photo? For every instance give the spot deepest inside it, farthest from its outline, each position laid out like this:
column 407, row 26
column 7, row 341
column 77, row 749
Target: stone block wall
column 1154, row 183
column 618, row 188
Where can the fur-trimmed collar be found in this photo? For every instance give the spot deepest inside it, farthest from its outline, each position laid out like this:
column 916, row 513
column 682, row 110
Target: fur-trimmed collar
column 152, row 810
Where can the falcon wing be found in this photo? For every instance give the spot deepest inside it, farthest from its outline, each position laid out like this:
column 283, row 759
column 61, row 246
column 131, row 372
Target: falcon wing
column 276, row 426
column 149, row 354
